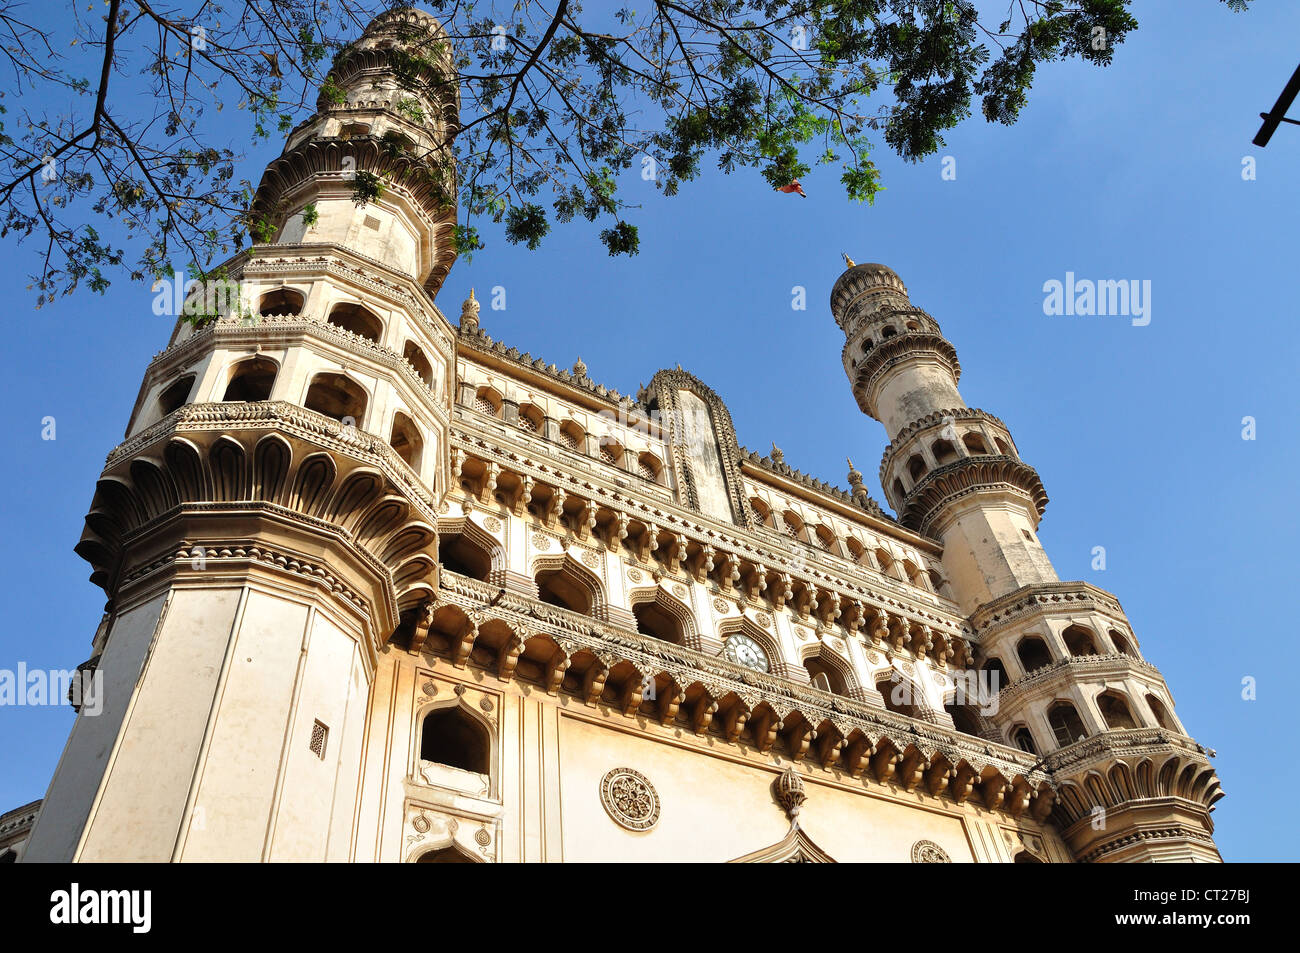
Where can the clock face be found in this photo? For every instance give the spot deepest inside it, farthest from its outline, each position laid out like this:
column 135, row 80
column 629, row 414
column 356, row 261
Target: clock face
column 743, row 650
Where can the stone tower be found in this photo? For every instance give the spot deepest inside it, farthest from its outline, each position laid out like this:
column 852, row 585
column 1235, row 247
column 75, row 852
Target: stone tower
column 270, row 518
column 384, row 588
column 953, row 472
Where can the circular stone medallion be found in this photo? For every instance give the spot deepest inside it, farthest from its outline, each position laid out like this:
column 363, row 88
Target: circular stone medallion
column 928, row 852
column 630, row 799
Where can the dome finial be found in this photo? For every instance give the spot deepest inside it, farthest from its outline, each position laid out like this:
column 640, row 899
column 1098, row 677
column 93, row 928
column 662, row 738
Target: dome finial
column 469, row 313
column 849, row 261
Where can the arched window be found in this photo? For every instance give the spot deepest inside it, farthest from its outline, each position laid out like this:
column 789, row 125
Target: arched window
column 573, row 437
column 825, row 676
column 531, row 418
column 415, row 357
column 649, row 467
column 566, row 589
column 900, row 695
column 964, row 719
column 251, row 380
column 899, row 492
column 1002, row 447
column 1078, row 639
column 1024, row 740
column 1121, row 644
column 175, row 394
column 487, row 401
column 452, row 737
column 937, row 582
column 887, row 332
column 886, row 563
column 406, row 440
column 611, row 452
column 465, row 555
column 280, row 301
column 913, row 574
column 1067, row 727
column 336, row 396
column 826, row 538
column 1163, row 718
column 448, row 855
column 944, row 452
column 995, row 675
column 792, row 525
column 975, row 443
column 915, row 467
column 866, row 345
column 1115, row 711
column 354, row 130
column 657, row 622
column 360, row 321
column 1033, row 653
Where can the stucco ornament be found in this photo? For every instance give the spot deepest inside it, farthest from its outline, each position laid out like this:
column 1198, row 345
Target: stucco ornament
column 928, row 852
column 789, row 791
column 630, row 799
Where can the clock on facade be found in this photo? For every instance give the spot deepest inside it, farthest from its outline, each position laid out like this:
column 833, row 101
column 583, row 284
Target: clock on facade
column 743, row 650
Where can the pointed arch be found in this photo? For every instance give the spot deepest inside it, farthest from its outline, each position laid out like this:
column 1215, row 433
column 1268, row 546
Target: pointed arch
column 466, row 548
column 338, row 396
column 836, row 671
column 565, row 582
column 663, row 616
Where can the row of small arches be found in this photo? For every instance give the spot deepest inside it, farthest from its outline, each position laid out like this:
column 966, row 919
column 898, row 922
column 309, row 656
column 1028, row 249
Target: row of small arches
column 944, row 452
column 572, row 436
column 1068, row 728
column 332, row 394
column 350, row 316
column 824, row 538
column 1032, row 651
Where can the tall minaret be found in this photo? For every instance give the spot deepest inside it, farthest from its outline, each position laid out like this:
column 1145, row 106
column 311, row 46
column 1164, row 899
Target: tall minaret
column 271, row 518
column 1068, row 681
column 950, row 471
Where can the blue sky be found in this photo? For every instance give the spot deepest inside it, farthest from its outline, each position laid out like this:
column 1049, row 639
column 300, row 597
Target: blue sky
column 1132, row 172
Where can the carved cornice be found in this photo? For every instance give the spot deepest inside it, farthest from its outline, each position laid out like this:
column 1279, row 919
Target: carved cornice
column 1123, row 769
column 575, row 633
column 326, row 432
column 1078, row 668
column 479, row 340
column 1032, row 600
column 931, row 420
column 272, row 460
column 725, row 539
column 1178, row 833
column 819, row 486
column 891, row 352
column 945, row 485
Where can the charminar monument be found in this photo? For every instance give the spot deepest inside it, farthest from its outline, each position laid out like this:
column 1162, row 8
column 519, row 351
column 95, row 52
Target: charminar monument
column 382, row 588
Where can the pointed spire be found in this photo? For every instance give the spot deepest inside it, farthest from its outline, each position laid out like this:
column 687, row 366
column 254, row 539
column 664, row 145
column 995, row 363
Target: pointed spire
column 469, row 314
column 849, row 262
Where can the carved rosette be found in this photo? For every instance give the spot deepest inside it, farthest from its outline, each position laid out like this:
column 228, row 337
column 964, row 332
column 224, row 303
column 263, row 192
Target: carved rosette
column 928, row 852
column 630, row 799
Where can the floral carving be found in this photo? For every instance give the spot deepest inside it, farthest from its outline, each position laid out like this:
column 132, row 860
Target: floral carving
column 928, row 852
column 630, row 799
